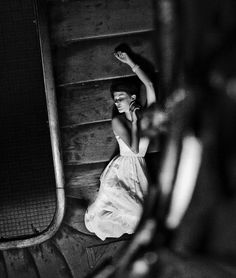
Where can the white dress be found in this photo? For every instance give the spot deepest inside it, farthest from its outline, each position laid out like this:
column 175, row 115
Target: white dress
column 123, row 186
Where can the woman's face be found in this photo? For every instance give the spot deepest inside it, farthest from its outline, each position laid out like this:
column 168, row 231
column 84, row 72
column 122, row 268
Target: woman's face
column 122, row 101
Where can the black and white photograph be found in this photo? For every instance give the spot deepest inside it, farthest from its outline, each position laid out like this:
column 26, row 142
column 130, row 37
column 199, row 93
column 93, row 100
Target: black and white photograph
column 118, row 139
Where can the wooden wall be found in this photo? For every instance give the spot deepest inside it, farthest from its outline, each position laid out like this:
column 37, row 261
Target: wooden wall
column 84, row 35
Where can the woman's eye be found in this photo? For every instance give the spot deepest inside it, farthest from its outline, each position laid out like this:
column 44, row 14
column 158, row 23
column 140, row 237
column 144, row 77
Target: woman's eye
column 118, row 100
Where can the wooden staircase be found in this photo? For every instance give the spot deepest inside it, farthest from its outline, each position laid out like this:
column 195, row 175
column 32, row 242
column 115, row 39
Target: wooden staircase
column 84, row 35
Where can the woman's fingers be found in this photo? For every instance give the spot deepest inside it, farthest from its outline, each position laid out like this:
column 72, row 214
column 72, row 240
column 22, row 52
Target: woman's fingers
column 132, row 106
column 122, row 56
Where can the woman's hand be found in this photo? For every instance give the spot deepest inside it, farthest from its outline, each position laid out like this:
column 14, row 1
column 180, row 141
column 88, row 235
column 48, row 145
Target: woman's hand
column 123, row 57
column 134, row 108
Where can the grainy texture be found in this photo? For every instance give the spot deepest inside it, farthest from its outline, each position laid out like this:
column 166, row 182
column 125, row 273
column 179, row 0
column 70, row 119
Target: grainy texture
column 19, row 264
column 82, row 181
column 70, row 243
column 82, row 252
column 88, row 19
column 49, row 262
column 88, row 144
column 3, row 273
column 87, row 102
column 93, row 60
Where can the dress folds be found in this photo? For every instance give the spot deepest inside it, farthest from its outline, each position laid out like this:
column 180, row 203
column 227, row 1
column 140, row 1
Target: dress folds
column 123, row 186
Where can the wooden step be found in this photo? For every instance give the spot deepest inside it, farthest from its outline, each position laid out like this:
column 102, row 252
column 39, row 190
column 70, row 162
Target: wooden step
column 72, row 245
column 100, row 253
column 20, row 264
column 74, row 216
column 77, row 20
column 49, row 261
column 88, row 144
column 3, row 271
column 93, row 143
column 82, row 181
column 94, row 60
column 83, row 252
column 86, row 103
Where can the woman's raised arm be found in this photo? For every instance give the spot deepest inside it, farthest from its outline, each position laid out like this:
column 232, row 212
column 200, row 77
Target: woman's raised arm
column 124, row 57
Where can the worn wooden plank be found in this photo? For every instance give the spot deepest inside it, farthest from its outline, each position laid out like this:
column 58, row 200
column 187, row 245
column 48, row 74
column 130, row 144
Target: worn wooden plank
column 49, row 261
column 73, row 248
column 88, row 102
column 93, row 143
column 87, row 193
column 3, row 272
column 94, row 60
column 82, row 181
column 71, row 21
column 73, row 245
column 74, row 216
column 85, row 103
column 88, row 144
column 19, row 264
column 98, row 254
column 83, row 175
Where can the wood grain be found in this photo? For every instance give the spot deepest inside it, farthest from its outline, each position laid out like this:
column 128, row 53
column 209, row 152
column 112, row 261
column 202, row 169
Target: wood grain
column 78, row 20
column 83, row 175
column 88, row 144
column 86, row 103
column 76, row 248
column 3, row 272
column 94, row 60
column 82, row 181
column 19, row 264
column 91, row 143
column 72, row 246
column 74, row 216
column 49, row 262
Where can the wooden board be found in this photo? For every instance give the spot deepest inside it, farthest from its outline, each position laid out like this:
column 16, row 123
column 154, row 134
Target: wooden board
column 99, row 254
column 86, row 103
column 49, row 262
column 94, row 60
column 82, row 182
column 83, row 175
column 78, row 20
column 83, row 252
column 88, row 143
column 73, row 248
column 3, row 273
column 74, row 216
column 19, row 264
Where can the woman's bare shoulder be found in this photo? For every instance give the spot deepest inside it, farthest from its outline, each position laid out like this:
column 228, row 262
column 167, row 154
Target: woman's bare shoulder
column 117, row 121
column 118, row 125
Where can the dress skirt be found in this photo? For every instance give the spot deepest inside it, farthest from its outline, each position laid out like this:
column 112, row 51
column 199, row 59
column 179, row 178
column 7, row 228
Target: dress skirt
column 119, row 204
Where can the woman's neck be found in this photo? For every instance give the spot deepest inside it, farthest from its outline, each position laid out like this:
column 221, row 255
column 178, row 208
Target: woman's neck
column 128, row 116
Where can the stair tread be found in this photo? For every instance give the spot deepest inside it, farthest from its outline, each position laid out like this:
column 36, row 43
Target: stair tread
column 3, row 273
column 93, row 60
column 74, row 216
column 84, row 252
column 49, row 261
column 19, row 264
column 98, row 19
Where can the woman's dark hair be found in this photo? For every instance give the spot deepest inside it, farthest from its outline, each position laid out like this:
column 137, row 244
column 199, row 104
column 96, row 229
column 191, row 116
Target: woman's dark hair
column 124, row 86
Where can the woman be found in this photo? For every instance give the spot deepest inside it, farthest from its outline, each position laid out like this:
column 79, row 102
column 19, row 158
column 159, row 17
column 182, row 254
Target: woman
column 123, row 184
